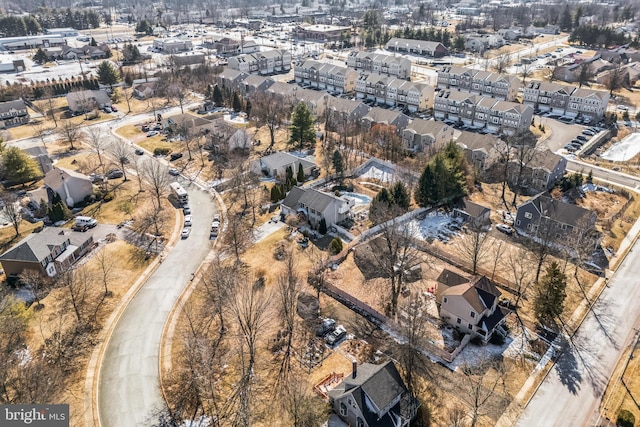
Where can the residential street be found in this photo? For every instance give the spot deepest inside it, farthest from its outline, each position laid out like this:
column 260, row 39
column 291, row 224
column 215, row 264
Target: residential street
column 571, row 393
column 604, row 174
column 128, row 392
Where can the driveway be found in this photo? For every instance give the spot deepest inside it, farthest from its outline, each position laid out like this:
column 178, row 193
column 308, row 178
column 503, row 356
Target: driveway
column 561, row 133
column 128, row 391
column 571, row 393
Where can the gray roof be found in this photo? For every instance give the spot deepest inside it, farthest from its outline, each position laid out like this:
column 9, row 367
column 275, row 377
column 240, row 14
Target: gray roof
column 450, row 278
column 282, row 159
column 427, row 127
column 545, row 159
column 473, row 209
column 562, row 212
column 475, row 141
column 18, row 104
column 293, row 198
column 37, row 246
column 318, row 200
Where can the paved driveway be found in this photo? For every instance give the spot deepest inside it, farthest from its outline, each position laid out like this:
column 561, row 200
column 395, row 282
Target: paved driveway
column 128, row 392
column 561, row 133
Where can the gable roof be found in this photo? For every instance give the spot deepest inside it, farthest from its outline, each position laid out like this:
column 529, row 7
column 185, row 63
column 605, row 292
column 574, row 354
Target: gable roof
column 546, row 159
column 473, row 209
column 558, row 210
column 450, row 278
column 426, row 127
column 475, row 141
column 54, row 178
column 281, row 159
column 479, row 293
column 18, row 104
column 293, row 197
column 36, row 246
column 319, row 200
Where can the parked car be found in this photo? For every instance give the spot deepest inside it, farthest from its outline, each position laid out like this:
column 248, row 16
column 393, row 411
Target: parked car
column 336, row 335
column 582, row 138
column 185, row 232
column 114, row 174
column 216, row 218
column 327, row 325
column 152, row 133
column 96, row 177
column 107, row 109
column 139, row 152
column 505, row 229
column 186, row 210
column 174, row 172
column 187, row 220
column 588, row 132
column 175, row 156
column 114, row 108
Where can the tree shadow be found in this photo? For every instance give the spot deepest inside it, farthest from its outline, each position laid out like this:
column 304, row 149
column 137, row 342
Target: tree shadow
column 567, row 368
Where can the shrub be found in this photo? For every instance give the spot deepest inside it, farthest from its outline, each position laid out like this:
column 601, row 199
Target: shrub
column 322, row 228
column 335, row 247
column 160, row 151
column 625, row 419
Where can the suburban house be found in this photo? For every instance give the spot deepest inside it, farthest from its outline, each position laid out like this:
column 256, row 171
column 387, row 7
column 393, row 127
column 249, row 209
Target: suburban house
column 482, row 42
column 495, row 85
column 316, row 206
column 345, row 114
column 472, row 306
column 71, row 186
column 255, row 83
column 553, row 220
column 481, row 151
column 480, row 112
column 329, row 77
column 383, row 116
column 231, row 79
column 265, row 63
column 394, row 92
column 145, row 90
column 510, row 33
column 13, row 113
column 426, row 134
column 477, row 216
column 419, row 47
column 316, row 101
column 49, row 252
column 540, row 174
column 566, row 100
column 275, row 165
column 87, row 51
column 84, row 101
column 374, row 395
column 387, row 65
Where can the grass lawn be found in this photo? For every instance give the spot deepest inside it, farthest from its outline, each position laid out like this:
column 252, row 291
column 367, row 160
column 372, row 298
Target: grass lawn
column 154, row 142
column 129, row 131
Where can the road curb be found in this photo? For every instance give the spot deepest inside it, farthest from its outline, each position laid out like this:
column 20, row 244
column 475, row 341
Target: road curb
column 92, row 416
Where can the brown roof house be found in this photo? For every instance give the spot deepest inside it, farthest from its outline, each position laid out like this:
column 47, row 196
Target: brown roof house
column 316, row 206
column 49, row 252
column 374, row 396
column 471, row 306
column 71, row 186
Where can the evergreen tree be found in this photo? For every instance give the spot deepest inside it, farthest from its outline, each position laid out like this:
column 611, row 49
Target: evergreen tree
column 338, row 162
column 108, row 74
column 41, row 56
column 424, row 192
column 93, row 42
column 237, row 102
column 300, row 173
column 217, row 96
column 550, row 295
column 380, row 207
column 335, row 247
column 590, row 177
column 566, row 23
column 400, row 196
column 18, row 167
column 322, row 227
column 301, row 128
column 247, row 108
column 144, row 27
column 275, row 194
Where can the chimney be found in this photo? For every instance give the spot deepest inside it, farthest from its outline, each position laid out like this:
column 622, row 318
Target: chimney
column 354, row 368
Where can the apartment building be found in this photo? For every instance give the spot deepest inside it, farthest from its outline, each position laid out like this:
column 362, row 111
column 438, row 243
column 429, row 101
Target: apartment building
column 419, row 47
column 421, row 135
column 345, row 115
column 501, row 86
column 387, row 65
column 394, row 92
column 567, row 100
column 481, row 112
column 270, row 62
column 329, row 77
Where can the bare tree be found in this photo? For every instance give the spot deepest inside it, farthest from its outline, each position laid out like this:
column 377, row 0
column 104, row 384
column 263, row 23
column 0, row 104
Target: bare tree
column 12, row 210
column 456, row 417
column 251, row 311
column 49, row 106
column 482, row 384
column 502, row 62
column 70, row 133
column 156, row 179
column 238, row 234
column 526, row 70
column 616, row 78
column 106, row 267
column 270, row 110
column 36, row 283
column 81, row 294
column 474, row 247
column 122, row 153
column 288, row 291
column 413, row 319
column 98, row 143
column 524, row 153
column 304, row 409
column 40, row 130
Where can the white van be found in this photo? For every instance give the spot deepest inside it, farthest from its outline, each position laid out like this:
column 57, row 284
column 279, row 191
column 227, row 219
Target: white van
column 86, row 221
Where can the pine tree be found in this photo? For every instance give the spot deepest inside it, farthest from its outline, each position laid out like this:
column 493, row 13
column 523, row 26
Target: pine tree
column 590, row 177
column 301, row 128
column 237, row 102
column 108, row 73
column 380, row 207
column 322, row 228
column 217, row 96
column 338, row 162
column 424, row 192
column 41, row 56
column 550, row 294
column 400, row 196
column 300, row 173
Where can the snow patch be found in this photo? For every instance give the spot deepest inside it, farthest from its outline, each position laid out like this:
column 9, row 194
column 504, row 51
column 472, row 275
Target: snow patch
column 623, row 150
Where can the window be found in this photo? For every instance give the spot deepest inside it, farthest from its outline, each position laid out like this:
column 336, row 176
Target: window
column 445, row 300
column 359, row 422
column 528, row 215
column 470, row 327
column 459, row 321
column 343, row 409
column 473, row 315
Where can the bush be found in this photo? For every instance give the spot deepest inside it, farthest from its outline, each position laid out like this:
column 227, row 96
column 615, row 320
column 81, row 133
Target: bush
column 335, row 247
column 625, row 419
column 160, row 151
column 322, row 228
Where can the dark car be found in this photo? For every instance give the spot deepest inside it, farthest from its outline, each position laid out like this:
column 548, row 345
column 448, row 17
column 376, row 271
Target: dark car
column 582, row 138
column 334, row 337
column 115, row 173
column 175, row 156
column 139, row 152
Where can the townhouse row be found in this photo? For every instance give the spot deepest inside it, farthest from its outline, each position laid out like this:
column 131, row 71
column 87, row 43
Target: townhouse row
column 270, row 62
column 501, row 86
column 566, row 100
column 482, row 112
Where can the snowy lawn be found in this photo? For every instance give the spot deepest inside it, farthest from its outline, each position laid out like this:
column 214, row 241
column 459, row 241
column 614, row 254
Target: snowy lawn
column 623, row 150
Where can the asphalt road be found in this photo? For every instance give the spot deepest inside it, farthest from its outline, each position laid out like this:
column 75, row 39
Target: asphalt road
column 128, row 392
column 571, row 393
column 604, row 174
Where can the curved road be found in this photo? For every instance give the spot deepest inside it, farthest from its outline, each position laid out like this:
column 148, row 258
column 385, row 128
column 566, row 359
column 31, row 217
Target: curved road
column 571, row 393
column 128, row 392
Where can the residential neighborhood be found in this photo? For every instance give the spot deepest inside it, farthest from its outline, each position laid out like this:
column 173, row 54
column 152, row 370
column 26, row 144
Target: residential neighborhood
column 340, row 214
